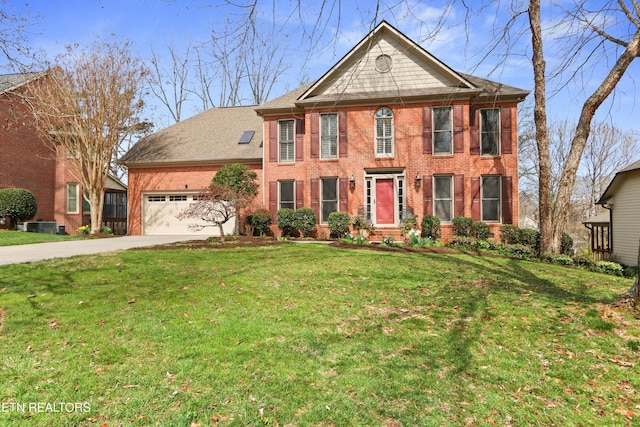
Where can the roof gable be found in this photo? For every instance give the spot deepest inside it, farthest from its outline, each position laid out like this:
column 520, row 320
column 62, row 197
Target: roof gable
column 10, row 82
column 616, row 182
column 386, row 62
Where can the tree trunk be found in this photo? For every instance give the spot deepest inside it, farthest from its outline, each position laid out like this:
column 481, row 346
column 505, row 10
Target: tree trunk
column 540, row 120
column 221, row 232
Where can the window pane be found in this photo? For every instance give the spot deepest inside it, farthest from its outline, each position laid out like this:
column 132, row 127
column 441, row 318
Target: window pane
column 286, row 140
column 442, row 118
column 491, row 210
column 443, row 187
column 443, row 201
column 327, row 208
column 329, row 135
column 490, row 131
column 286, row 195
column 329, row 200
column 443, row 210
column 72, row 198
column 491, row 187
column 384, row 131
column 442, row 142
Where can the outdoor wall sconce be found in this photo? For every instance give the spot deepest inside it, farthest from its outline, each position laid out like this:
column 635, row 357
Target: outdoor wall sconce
column 352, row 182
column 418, row 180
column 186, row 186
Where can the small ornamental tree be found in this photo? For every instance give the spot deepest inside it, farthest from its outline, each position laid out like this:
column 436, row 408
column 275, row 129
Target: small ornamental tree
column 18, row 204
column 216, row 205
column 240, row 178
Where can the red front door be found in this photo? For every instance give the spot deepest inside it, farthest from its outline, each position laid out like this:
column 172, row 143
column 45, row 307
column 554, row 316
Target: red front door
column 385, row 201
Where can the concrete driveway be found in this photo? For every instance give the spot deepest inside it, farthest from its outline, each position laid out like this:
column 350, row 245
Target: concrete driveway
column 41, row 251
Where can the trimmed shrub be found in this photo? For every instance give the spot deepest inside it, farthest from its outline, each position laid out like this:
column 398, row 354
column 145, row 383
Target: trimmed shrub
column 261, row 221
column 529, row 237
column 566, row 244
column 479, row 230
column 339, row 223
column 18, row 204
column 462, row 226
column 430, row 227
column 286, row 221
column 305, row 221
column 509, row 234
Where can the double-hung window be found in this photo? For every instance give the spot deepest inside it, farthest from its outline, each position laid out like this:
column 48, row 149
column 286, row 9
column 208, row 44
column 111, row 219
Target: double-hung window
column 329, row 202
column 384, row 132
column 442, row 130
column 72, row 198
column 490, row 193
column 286, row 195
column 443, row 197
column 329, row 136
column 490, row 132
column 286, row 138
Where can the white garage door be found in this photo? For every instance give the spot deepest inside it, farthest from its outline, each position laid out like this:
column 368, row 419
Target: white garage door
column 159, row 213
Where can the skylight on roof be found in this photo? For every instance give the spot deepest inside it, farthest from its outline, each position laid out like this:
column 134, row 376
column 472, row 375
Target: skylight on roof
column 246, row 137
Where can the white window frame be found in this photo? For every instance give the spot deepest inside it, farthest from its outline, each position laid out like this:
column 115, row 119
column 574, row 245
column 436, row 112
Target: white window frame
column 495, row 133
column 323, row 182
column 484, row 199
column 293, row 194
column 289, row 142
column 436, row 179
column 330, row 138
column 381, row 140
column 73, row 199
column 437, row 131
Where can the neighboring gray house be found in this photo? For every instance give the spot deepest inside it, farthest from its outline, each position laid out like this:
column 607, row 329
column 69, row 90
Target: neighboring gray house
column 622, row 197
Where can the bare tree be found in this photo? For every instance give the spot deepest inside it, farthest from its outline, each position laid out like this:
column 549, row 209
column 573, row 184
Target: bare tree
column 87, row 107
column 15, row 52
column 215, row 206
column 168, row 79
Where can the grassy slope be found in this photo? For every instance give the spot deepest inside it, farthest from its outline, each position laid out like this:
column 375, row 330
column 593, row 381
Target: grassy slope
column 312, row 335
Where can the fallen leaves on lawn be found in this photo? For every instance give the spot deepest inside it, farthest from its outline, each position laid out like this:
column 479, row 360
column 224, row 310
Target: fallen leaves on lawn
column 621, row 362
column 131, row 301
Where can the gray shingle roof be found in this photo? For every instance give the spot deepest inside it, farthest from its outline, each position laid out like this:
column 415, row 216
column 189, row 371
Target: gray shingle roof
column 9, row 82
column 209, row 137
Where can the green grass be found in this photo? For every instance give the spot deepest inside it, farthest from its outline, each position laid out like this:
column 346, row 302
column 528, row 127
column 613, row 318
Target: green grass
column 11, row 238
column 302, row 335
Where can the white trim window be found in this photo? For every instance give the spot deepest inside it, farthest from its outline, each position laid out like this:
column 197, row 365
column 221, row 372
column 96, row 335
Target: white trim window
column 329, row 197
column 384, row 132
column 72, row 198
column 442, row 131
column 286, row 139
column 490, row 194
column 329, row 136
column 490, row 132
column 443, row 197
column 286, row 194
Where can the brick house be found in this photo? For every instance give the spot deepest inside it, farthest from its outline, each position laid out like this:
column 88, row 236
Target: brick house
column 27, row 161
column 389, row 131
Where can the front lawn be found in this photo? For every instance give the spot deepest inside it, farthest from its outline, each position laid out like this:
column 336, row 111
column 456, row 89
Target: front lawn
column 11, row 237
column 302, row 335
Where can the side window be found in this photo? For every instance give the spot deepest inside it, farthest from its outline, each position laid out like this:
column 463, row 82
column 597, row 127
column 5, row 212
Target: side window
column 384, row 132
column 490, row 132
column 443, row 197
column 329, row 201
column 72, row 198
column 286, row 138
column 442, row 130
column 490, row 193
column 286, row 195
column 329, row 136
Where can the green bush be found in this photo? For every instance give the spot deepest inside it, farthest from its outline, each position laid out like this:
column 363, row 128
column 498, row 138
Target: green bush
column 18, row 204
column 305, row 221
column 462, row 226
column 261, row 221
column 479, row 230
column 509, row 234
column 286, row 221
column 608, row 267
column 529, row 237
column 408, row 224
column 430, row 227
column 339, row 223
column 566, row 244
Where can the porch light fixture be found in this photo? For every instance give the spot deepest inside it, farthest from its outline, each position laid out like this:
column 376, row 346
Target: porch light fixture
column 418, row 180
column 352, row 182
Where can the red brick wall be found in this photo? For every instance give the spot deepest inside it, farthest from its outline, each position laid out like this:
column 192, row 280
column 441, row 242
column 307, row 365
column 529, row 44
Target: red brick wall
column 408, row 154
column 26, row 161
column 170, row 179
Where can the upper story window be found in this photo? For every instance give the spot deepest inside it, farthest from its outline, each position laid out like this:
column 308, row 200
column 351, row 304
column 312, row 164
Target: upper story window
column 490, row 132
column 286, row 139
column 329, row 136
column 442, row 130
column 384, row 132
column 72, row 198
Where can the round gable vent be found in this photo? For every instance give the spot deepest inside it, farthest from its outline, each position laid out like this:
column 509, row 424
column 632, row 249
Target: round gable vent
column 383, row 63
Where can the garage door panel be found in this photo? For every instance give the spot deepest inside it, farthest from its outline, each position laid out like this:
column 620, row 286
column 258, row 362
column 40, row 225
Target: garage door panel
column 160, row 212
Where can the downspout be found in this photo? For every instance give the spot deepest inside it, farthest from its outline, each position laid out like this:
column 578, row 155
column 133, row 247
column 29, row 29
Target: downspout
column 608, row 207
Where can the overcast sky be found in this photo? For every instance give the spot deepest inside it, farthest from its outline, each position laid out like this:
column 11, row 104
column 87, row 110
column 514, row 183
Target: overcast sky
column 156, row 23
